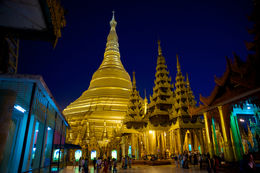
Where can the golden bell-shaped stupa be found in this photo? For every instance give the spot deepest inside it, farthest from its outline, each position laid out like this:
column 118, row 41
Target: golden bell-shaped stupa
column 108, row 93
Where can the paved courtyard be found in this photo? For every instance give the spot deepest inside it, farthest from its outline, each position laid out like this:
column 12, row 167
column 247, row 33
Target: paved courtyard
column 144, row 169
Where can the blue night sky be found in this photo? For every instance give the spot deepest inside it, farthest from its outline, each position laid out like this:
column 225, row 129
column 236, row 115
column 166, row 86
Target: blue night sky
column 202, row 33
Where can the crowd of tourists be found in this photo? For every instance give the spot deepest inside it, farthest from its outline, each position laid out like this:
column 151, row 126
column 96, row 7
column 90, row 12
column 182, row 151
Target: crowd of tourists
column 188, row 158
column 247, row 165
column 100, row 165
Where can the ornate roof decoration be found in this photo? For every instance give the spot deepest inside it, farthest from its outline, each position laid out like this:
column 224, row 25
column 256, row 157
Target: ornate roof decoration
column 183, row 94
column 190, row 96
column 241, row 78
column 135, row 116
column 161, row 100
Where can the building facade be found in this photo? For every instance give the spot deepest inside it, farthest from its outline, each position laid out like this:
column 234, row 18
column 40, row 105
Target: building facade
column 33, row 128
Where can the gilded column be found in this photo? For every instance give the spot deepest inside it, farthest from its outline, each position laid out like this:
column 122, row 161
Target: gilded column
column 228, row 150
column 180, row 140
column 192, row 140
column 208, row 134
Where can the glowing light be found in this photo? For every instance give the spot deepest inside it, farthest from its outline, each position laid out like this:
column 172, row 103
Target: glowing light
column 56, row 154
column 36, row 130
column 19, row 108
column 248, row 107
column 189, row 147
column 49, row 128
column 241, row 120
column 150, row 131
column 93, row 154
column 164, row 133
column 130, row 151
column 78, row 154
column 114, row 154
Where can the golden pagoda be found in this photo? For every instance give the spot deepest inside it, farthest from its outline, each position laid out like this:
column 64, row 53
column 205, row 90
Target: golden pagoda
column 135, row 121
column 185, row 131
column 155, row 135
column 99, row 111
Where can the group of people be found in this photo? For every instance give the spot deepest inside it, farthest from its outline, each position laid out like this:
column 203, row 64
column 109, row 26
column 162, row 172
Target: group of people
column 83, row 164
column 183, row 160
column 99, row 165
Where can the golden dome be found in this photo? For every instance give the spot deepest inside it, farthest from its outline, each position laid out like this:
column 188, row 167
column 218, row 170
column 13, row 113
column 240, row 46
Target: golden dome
column 110, row 86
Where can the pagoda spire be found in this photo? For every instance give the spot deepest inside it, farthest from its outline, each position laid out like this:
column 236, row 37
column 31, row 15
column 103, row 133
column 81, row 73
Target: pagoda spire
column 134, row 81
column 135, row 112
column 159, row 48
column 162, row 98
column 187, row 80
column 183, row 94
column 190, row 97
column 112, row 48
column 178, row 64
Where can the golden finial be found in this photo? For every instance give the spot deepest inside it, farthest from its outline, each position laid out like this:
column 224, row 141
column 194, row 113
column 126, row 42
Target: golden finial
column 145, row 93
column 178, row 64
column 113, row 21
column 113, row 17
column 159, row 48
column 134, row 81
column 187, row 80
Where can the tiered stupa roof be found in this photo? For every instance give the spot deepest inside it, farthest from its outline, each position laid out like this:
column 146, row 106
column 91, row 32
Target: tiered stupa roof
column 162, row 98
column 183, row 94
column 135, row 113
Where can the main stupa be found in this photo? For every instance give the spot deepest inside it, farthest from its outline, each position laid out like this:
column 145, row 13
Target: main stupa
column 96, row 114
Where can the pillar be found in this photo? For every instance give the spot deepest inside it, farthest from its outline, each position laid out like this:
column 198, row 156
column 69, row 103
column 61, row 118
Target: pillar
column 225, row 126
column 192, row 140
column 180, row 139
column 208, row 134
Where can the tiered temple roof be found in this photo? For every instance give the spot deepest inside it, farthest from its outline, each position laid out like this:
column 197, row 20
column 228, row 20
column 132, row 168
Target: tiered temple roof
column 135, row 113
column 180, row 100
column 162, row 98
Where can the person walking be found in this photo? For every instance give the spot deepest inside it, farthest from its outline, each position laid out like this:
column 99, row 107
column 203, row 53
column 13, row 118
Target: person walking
column 105, row 166
column 114, row 166
column 125, row 167
column 180, row 160
column 86, row 165
column 94, row 163
column 99, row 162
column 109, row 164
column 200, row 161
column 209, row 165
column 176, row 160
column 80, row 163
column 129, row 161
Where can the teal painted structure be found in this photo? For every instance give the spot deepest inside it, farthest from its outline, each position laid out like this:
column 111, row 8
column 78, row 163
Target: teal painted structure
column 37, row 128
